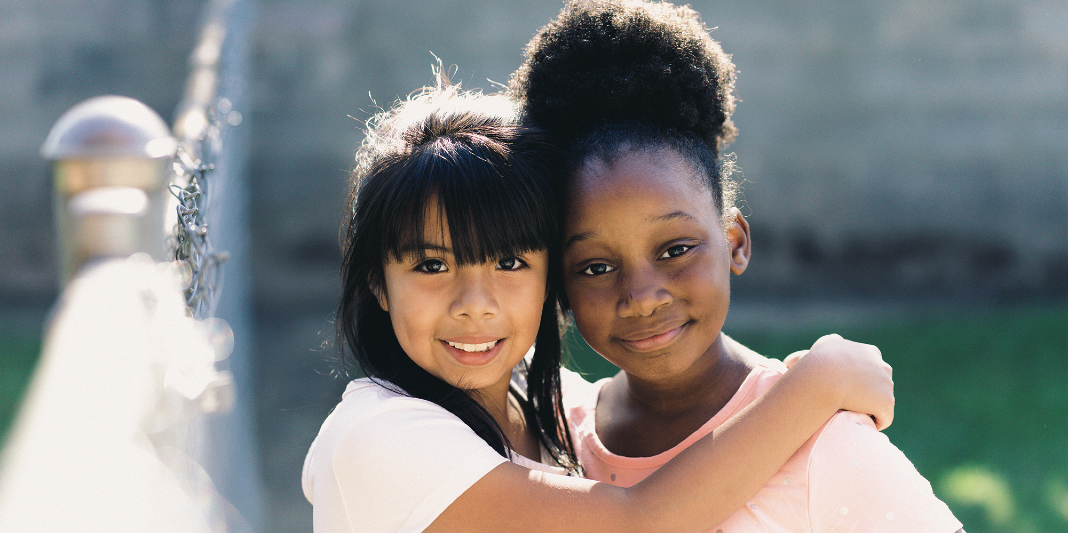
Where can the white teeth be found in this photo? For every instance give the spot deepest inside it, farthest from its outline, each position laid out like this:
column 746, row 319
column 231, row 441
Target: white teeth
column 486, row 346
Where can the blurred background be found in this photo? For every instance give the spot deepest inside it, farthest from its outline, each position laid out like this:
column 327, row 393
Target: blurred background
column 904, row 167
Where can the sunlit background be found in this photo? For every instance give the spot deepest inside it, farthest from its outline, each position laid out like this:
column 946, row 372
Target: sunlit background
column 904, row 166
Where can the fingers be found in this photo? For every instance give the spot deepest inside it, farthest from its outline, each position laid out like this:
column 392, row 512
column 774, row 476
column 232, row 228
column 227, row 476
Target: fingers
column 827, row 339
column 884, row 418
column 885, row 415
column 867, row 377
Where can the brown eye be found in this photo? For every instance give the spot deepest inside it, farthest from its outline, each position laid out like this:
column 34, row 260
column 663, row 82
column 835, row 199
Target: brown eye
column 596, row 269
column 431, row 266
column 676, row 251
column 511, row 263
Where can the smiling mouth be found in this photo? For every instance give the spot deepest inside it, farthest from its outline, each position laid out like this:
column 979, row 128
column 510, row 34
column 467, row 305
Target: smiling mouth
column 473, row 348
column 655, row 340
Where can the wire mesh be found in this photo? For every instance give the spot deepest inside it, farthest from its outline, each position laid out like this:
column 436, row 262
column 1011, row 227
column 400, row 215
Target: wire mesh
column 199, row 262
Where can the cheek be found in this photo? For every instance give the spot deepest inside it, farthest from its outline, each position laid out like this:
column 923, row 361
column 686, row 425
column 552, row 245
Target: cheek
column 402, row 327
column 527, row 307
column 525, row 296
column 707, row 290
column 408, row 312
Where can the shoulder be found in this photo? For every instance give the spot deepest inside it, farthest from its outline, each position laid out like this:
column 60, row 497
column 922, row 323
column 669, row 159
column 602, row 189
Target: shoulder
column 374, row 424
column 859, row 479
column 764, row 374
column 849, row 442
column 576, row 388
column 391, row 460
column 579, row 397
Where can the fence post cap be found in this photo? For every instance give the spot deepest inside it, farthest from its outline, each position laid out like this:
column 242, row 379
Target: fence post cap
column 109, row 126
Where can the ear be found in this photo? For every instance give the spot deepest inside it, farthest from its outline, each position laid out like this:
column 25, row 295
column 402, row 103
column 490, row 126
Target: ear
column 380, row 295
column 738, row 240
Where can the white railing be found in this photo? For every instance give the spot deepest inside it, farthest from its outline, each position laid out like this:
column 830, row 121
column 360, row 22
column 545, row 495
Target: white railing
column 138, row 416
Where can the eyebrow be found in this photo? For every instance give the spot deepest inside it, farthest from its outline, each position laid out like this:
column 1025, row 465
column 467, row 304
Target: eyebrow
column 671, row 216
column 577, row 238
column 587, row 235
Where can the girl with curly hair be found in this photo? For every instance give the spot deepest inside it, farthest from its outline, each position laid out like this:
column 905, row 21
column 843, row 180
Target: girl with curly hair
column 640, row 98
column 446, row 287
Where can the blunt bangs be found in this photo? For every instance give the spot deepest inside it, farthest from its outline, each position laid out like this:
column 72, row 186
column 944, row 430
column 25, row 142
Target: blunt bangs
column 493, row 208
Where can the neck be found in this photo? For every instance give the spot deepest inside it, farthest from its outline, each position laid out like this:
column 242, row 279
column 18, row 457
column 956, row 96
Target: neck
column 495, row 400
column 639, row 418
column 507, row 410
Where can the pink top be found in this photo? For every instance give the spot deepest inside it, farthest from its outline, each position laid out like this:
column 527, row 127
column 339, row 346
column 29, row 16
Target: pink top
column 847, row 477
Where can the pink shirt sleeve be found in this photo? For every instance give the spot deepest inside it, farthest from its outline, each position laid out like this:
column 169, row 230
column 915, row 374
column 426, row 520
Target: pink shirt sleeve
column 859, row 481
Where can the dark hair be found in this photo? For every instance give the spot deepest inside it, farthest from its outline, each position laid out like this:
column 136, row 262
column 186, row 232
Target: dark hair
column 609, row 76
column 489, row 176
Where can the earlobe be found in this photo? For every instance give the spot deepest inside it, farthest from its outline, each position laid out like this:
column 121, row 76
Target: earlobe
column 739, row 241
column 381, row 297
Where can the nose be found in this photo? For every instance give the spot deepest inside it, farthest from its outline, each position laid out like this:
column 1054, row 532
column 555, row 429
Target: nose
column 642, row 292
column 475, row 296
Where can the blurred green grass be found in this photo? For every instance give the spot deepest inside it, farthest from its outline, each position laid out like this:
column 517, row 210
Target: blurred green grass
column 982, row 397
column 19, row 352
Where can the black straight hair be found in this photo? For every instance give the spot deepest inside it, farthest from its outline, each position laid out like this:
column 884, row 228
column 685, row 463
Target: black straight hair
column 490, row 178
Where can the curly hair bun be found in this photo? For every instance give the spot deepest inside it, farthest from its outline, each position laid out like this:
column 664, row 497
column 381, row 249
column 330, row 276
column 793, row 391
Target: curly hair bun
column 611, row 60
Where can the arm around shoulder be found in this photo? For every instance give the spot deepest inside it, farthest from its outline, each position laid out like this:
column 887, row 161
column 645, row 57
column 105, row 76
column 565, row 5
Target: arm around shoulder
column 699, row 488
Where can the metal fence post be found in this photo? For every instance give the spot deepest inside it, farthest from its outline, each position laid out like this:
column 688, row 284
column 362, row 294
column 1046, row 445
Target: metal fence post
column 111, row 158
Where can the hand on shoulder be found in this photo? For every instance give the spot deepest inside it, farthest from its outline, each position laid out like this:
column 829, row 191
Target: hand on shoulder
column 854, row 371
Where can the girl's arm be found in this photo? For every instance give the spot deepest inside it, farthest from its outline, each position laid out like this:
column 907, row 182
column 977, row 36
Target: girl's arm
column 705, row 483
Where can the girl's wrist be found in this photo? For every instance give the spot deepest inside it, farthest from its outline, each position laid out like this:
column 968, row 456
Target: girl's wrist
column 821, row 379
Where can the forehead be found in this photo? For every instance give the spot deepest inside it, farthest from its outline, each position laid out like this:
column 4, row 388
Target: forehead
column 638, row 180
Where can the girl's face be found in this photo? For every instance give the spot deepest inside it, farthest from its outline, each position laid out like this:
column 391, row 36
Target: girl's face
column 468, row 325
column 647, row 262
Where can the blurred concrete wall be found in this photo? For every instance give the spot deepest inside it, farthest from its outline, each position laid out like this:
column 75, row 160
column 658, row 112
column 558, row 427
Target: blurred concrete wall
column 888, row 149
column 903, row 148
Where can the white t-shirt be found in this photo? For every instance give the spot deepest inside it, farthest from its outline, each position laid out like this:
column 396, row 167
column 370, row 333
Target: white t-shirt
column 387, row 462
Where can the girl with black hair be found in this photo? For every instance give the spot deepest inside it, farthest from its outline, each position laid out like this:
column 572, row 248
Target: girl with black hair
column 640, row 98
column 446, row 287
